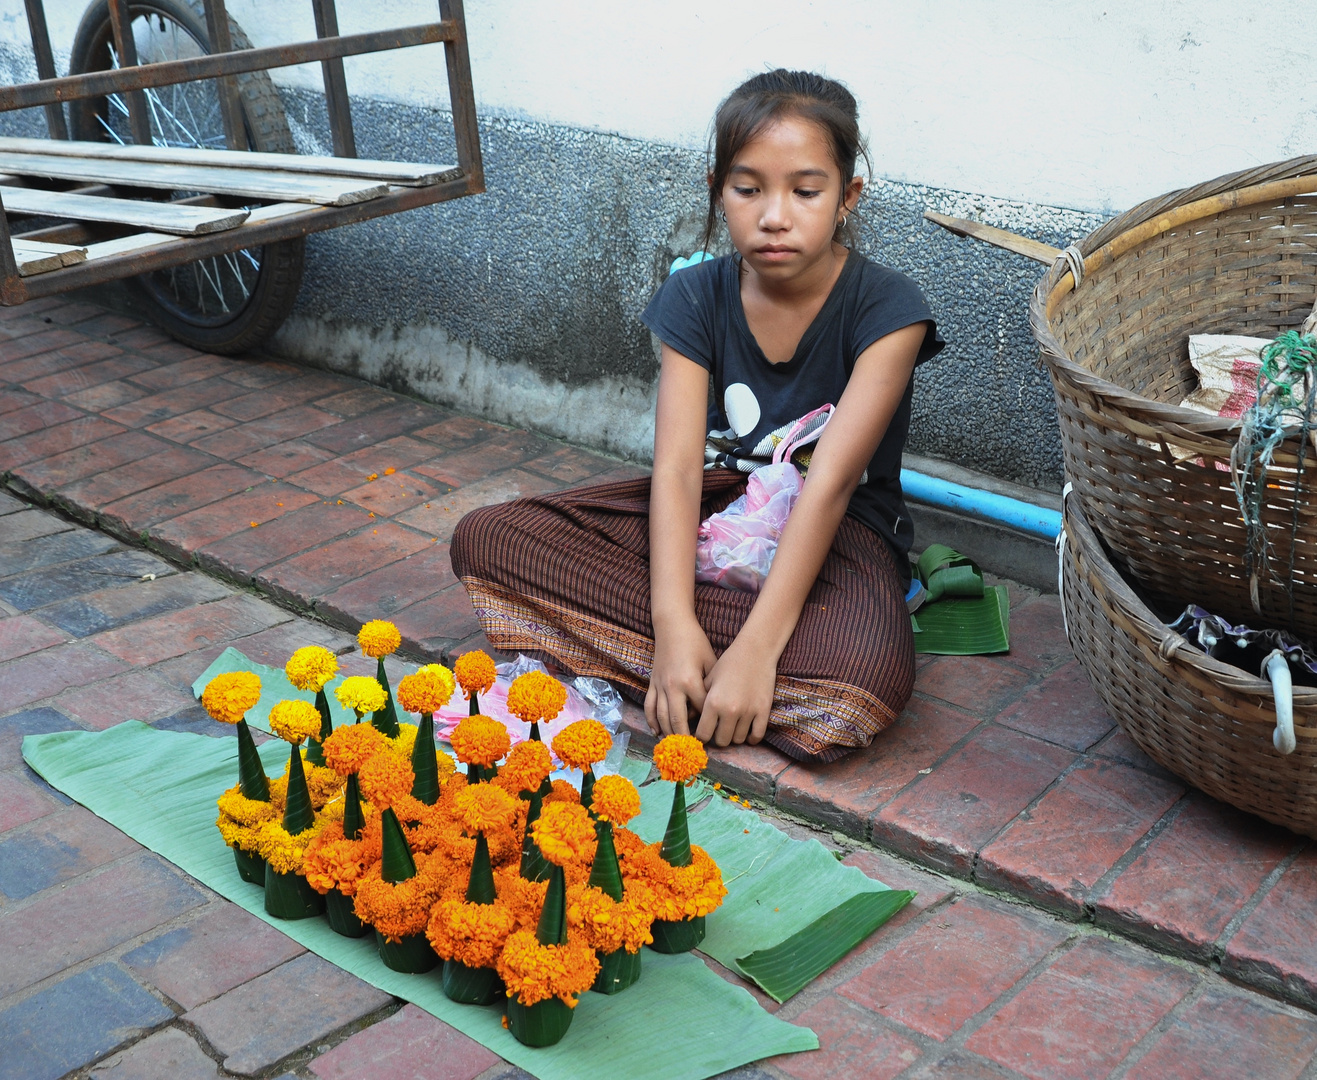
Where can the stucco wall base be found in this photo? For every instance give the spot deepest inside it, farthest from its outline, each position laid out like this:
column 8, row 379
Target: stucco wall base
column 615, row 415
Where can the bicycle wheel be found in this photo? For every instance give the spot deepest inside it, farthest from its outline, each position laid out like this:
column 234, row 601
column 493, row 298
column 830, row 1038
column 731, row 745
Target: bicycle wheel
column 226, row 303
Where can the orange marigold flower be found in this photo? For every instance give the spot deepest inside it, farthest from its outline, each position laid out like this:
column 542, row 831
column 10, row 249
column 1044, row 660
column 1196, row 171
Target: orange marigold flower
column 535, row 697
column 427, row 691
column 361, row 693
column 398, row 910
column 334, row 862
column 310, row 667
column 563, row 792
column 527, row 766
column 295, row 721
column 229, row 697
column 676, row 892
column 680, row 757
column 535, row 972
column 378, row 638
column 564, row 832
column 483, row 808
column 479, row 740
column 615, row 799
column 475, row 672
column 384, row 779
column 607, row 925
column 472, row 934
column 582, row 744
column 525, row 899
column 351, row 746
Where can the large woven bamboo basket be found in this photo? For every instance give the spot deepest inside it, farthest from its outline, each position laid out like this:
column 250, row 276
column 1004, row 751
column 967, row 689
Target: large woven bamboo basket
column 1237, row 255
column 1209, row 723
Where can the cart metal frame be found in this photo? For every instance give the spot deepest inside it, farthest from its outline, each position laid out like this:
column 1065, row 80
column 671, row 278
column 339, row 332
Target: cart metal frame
column 222, row 63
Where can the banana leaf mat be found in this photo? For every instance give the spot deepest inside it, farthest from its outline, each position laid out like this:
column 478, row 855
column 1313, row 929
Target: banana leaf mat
column 681, row 1021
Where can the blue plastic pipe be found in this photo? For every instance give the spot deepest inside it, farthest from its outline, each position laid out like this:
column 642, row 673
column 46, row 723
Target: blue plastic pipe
column 1036, row 520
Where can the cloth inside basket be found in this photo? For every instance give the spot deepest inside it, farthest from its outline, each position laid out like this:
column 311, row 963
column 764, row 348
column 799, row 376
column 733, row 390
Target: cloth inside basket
column 1243, row 647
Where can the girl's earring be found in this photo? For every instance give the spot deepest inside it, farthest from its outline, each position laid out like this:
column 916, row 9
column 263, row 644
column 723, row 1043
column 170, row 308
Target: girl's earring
column 722, row 216
column 842, row 224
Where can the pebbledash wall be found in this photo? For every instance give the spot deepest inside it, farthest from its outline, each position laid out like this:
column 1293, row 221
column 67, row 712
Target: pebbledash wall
column 521, row 304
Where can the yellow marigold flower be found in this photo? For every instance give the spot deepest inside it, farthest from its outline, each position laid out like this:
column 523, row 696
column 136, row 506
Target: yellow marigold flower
column 311, row 667
column 535, row 972
column 564, row 832
column 484, row 808
column 680, row 757
column 378, row 638
column 427, row 691
column 479, row 740
column 535, row 697
column 475, row 672
column 527, row 766
column 472, row 934
column 582, row 744
column 405, row 741
column 384, row 779
column 283, row 851
column 295, row 721
column 234, row 805
column 361, row 693
column 351, row 746
column 615, row 799
column 229, row 697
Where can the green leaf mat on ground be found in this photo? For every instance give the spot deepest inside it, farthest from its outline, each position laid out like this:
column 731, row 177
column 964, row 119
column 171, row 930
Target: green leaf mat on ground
column 962, row 616
column 679, row 1022
column 777, row 887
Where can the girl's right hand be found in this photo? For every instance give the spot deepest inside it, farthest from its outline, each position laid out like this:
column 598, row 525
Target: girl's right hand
column 682, row 659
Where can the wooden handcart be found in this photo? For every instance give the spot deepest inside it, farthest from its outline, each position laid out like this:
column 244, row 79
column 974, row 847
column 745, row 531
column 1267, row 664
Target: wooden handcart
column 175, row 167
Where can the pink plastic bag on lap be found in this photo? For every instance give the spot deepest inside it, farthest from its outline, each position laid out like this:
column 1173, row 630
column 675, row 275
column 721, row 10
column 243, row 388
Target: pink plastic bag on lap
column 735, row 546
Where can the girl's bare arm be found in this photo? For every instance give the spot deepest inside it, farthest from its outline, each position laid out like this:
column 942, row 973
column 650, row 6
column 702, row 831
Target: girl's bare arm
column 739, row 688
column 682, row 653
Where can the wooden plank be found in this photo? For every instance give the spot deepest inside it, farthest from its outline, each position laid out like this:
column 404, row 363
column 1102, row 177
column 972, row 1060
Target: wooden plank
column 394, row 172
column 138, row 242
column 160, row 216
column 33, row 257
column 1021, row 245
column 249, row 183
column 68, row 254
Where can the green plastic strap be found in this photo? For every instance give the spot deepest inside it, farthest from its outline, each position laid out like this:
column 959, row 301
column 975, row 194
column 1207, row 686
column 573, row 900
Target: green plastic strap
column 787, row 968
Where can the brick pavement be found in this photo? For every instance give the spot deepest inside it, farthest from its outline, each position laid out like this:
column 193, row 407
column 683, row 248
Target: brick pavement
column 1004, row 780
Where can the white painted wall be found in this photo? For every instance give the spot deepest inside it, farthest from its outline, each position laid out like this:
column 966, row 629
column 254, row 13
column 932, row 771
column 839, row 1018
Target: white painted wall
column 1092, row 105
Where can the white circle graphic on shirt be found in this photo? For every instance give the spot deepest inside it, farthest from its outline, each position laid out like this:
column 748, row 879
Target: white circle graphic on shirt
column 741, row 407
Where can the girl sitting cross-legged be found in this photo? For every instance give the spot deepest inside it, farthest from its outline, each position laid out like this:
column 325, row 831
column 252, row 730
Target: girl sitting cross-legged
column 602, row 579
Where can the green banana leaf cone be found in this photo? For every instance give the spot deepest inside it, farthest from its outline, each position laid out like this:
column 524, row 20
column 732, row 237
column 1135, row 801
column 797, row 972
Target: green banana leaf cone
column 315, row 751
column 397, row 862
column 354, row 819
column 342, row 916
column 425, row 763
column 475, row 704
column 386, row 719
column 534, row 866
column 606, row 871
column 677, row 937
column 411, row 955
column 587, row 790
column 541, row 1024
column 252, row 781
column 617, row 971
column 298, row 814
column 471, row 986
column 288, row 896
column 251, row 868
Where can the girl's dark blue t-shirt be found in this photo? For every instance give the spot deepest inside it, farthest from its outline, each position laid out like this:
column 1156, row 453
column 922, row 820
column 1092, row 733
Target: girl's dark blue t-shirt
column 698, row 312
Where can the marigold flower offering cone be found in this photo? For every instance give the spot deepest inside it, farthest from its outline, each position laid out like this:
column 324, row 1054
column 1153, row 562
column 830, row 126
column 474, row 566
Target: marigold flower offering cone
column 413, row 953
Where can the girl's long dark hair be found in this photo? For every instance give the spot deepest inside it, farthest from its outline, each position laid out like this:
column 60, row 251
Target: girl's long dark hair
column 766, row 98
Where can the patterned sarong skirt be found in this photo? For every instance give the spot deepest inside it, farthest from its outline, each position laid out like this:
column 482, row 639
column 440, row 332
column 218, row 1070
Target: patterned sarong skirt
column 566, row 577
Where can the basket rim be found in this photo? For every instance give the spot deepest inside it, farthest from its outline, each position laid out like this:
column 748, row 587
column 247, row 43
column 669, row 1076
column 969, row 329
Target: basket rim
column 1246, row 187
column 1169, row 643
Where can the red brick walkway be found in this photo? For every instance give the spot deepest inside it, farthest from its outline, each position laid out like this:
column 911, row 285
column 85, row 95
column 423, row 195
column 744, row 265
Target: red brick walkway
column 1004, row 775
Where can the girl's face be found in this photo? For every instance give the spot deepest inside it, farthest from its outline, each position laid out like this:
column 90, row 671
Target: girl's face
column 784, row 199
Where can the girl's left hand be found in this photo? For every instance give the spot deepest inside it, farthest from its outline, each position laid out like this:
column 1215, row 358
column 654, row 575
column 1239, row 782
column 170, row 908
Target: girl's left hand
column 738, row 698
